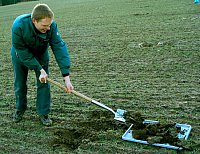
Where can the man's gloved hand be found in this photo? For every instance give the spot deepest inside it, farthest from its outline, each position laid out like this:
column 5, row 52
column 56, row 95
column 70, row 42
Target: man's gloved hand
column 43, row 76
column 68, row 84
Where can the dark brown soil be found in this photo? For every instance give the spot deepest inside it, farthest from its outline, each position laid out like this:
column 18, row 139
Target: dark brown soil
column 154, row 133
column 70, row 138
column 135, row 118
column 81, row 131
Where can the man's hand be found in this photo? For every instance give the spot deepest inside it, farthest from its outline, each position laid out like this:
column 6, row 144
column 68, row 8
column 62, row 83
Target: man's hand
column 43, row 76
column 68, row 84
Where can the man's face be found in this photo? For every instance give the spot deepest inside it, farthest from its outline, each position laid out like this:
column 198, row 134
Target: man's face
column 43, row 25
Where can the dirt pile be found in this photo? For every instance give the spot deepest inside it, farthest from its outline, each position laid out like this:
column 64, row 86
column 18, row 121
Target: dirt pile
column 71, row 138
column 155, row 132
column 81, row 131
column 135, row 118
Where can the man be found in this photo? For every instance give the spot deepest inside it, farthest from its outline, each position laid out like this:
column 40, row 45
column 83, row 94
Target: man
column 32, row 34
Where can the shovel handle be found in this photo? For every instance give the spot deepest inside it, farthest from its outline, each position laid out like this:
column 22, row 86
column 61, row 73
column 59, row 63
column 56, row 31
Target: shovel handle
column 81, row 95
column 73, row 91
column 57, row 84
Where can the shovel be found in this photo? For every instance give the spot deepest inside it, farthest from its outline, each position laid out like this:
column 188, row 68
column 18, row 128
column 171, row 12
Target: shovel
column 118, row 115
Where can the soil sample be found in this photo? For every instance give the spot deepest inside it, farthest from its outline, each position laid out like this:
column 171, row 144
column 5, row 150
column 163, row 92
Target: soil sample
column 166, row 133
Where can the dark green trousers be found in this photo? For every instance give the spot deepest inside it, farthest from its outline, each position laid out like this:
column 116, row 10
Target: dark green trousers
column 20, row 84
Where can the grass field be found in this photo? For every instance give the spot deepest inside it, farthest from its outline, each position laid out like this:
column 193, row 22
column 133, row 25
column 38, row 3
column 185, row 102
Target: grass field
column 136, row 55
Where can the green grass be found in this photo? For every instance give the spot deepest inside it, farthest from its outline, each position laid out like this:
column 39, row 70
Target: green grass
column 160, row 81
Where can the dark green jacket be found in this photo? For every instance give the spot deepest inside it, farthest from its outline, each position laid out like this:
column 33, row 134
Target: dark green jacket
column 29, row 44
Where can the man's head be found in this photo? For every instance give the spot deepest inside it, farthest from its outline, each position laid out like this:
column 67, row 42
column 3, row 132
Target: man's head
column 42, row 17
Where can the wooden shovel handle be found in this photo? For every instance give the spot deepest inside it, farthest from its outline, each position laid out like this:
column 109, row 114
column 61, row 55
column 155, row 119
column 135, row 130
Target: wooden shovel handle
column 73, row 91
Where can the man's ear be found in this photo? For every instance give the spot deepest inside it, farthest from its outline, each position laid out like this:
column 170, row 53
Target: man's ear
column 34, row 21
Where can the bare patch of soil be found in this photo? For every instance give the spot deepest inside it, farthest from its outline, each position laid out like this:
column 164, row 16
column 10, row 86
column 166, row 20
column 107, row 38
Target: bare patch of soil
column 155, row 133
column 83, row 131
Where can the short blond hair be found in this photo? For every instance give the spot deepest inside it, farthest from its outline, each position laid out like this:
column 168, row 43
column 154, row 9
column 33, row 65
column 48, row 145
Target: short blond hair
column 41, row 11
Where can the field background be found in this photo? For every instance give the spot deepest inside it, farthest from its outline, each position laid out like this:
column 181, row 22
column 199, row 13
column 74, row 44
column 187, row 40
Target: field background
column 136, row 55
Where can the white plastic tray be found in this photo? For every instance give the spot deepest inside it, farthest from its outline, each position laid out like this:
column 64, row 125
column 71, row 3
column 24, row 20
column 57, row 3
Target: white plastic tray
column 185, row 131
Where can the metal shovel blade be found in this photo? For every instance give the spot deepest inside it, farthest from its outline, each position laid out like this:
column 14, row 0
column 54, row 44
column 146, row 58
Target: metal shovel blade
column 119, row 115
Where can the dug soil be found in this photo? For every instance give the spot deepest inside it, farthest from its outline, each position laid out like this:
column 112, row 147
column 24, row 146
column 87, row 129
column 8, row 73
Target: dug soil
column 80, row 131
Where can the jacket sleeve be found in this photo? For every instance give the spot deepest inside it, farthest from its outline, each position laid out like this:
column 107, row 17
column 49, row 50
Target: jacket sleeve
column 60, row 50
column 23, row 53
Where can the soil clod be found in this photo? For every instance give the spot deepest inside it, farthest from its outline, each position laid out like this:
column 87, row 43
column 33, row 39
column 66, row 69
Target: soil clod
column 83, row 131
